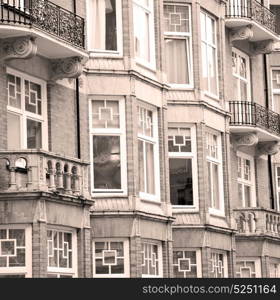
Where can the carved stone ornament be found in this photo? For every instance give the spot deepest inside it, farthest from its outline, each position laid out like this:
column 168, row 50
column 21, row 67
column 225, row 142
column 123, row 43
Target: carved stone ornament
column 70, row 67
column 268, row 148
column 264, row 47
column 250, row 139
column 19, row 47
column 242, row 33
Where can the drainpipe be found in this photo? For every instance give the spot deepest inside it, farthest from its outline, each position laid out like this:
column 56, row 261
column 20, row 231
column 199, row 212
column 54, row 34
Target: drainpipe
column 77, row 102
column 269, row 161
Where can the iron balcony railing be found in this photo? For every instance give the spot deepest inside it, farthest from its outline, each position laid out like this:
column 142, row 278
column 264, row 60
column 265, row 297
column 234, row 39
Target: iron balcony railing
column 46, row 16
column 253, row 114
column 254, row 10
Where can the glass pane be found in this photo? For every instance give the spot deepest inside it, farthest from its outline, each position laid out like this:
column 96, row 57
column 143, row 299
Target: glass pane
column 34, row 134
column 212, row 70
column 105, row 114
column 14, row 91
column 216, row 194
column 141, row 166
column 177, row 61
column 176, row 18
column 106, row 162
column 247, row 195
column 18, row 235
column 100, row 268
column 181, row 187
column 19, row 260
column 243, row 91
column 14, row 128
column 150, row 171
column 119, row 268
column 276, row 103
column 105, row 31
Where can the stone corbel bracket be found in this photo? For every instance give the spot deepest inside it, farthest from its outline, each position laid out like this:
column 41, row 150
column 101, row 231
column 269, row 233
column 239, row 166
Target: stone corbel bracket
column 241, row 33
column 264, row 47
column 268, row 148
column 17, row 48
column 71, row 67
column 248, row 140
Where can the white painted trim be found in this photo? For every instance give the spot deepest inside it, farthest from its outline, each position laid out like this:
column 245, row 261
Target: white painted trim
column 126, row 247
column 43, row 119
column 257, row 261
column 160, row 262
column 70, row 271
column 193, row 156
column 188, row 37
column 119, row 29
column 121, row 132
column 27, row 270
column 243, row 182
column 150, row 11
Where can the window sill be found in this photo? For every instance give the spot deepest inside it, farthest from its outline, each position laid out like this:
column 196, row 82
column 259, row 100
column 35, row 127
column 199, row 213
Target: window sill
column 107, row 195
column 217, row 213
column 185, row 209
column 180, row 87
column 151, row 67
column 150, row 198
column 212, row 96
column 105, row 54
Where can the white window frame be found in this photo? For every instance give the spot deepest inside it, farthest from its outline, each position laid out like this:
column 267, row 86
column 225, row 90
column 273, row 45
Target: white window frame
column 121, row 132
column 187, row 36
column 24, row 115
column 160, row 262
column 27, row 270
column 239, row 78
column 213, row 46
column 218, row 161
column 274, row 91
column 65, row 271
column 150, row 11
column 256, row 261
column 225, row 261
column 198, row 260
column 244, row 182
column 119, row 27
column 277, row 187
column 275, row 268
column 193, row 156
column 126, row 273
column 155, row 141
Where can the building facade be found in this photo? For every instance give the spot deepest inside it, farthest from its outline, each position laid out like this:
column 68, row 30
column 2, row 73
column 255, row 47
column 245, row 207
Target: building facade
column 139, row 138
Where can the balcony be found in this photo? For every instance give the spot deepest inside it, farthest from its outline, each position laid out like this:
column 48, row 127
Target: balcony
column 262, row 21
column 58, row 32
column 257, row 221
column 42, row 171
column 251, row 117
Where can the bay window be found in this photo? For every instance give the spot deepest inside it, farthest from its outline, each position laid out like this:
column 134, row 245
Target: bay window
column 182, row 167
column 105, row 26
column 62, row 253
column 148, row 153
column 177, row 33
column 187, row 263
column 151, row 259
column 26, row 112
column 246, row 180
column 144, row 32
column 111, row 258
column 108, row 146
column 214, row 172
column 15, row 251
column 209, row 54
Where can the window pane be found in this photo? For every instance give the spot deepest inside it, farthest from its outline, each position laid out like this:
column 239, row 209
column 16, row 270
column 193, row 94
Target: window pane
column 34, row 134
column 247, row 195
column 105, row 114
column 276, row 103
column 177, row 61
column 14, row 129
column 181, row 188
column 176, row 18
column 14, row 91
column 105, row 25
column 150, row 168
column 216, row 194
column 212, row 69
column 106, row 162
column 141, row 166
